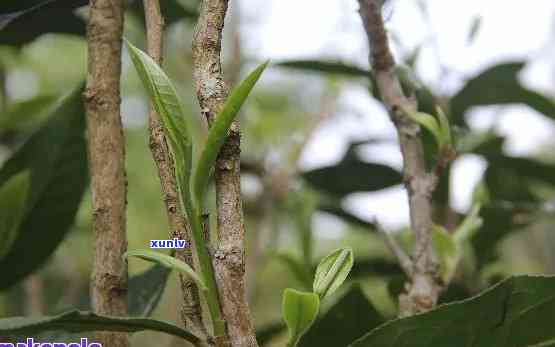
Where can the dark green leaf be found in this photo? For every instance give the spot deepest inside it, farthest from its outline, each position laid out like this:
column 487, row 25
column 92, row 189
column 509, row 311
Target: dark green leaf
column 351, row 176
column 498, row 85
column 56, row 157
column 24, row 21
column 13, row 195
column 266, row 333
column 328, row 67
column 515, row 313
column 300, row 310
column 351, row 317
column 26, row 115
column 346, row 216
column 146, row 289
column 83, row 321
column 218, row 132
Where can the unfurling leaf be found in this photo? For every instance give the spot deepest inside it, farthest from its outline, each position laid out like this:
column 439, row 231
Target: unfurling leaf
column 299, row 310
column 218, row 132
column 332, row 271
column 13, row 195
column 169, row 262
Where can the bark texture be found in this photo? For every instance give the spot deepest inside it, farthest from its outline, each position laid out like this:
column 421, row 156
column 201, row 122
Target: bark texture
column 107, row 164
column 191, row 313
column 424, row 287
column 229, row 255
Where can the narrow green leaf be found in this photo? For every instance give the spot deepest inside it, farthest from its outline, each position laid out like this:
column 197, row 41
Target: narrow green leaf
column 84, row 321
column 168, row 106
column 332, row 271
column 56, row 157
column 300, row 310
column 218, row 132
column 169, row 262
column 13, row 195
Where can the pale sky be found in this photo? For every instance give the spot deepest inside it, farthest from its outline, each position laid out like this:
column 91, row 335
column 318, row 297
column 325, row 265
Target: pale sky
column 293, row 29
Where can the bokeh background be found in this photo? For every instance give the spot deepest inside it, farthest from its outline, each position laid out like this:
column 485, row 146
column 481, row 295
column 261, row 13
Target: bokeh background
column 301, row 119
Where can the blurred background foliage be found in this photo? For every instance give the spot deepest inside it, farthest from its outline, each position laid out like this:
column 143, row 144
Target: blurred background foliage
column 293, row 215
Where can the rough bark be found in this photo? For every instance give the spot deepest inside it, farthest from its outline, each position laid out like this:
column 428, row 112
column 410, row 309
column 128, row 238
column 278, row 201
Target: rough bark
column 424, row 286
column 106, row 157
column 229, row 255
column 191, row 313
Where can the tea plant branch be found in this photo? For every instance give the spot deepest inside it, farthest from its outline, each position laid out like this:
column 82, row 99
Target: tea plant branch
column 191, row 313
column 424, row 286
column 107, row 165
column 404, row 260
column 229, row 258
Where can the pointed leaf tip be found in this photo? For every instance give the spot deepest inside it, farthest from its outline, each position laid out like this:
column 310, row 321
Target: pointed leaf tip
column 218, row 132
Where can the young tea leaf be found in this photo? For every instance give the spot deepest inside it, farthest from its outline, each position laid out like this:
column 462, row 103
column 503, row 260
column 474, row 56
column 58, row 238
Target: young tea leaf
column 430, row 123
column 169, row 262
column 166, row 103
column 332, row 271
column 218, row 132
column 299, row 310
column 13, row 196
column 444, row 127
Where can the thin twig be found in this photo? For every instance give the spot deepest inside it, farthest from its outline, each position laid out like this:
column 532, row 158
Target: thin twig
column 191, row 313
column 229, row 257
column 424, row 287
column 404, row 260
column 107, row 163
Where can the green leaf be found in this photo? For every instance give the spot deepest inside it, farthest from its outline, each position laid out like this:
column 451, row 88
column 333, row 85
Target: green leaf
column 332, row 271
column 56, row 157
column 167, row 261
column 352, row 175
column 13, row 195
column 168, row 106
column 27, row 20
column 146, row 289
column 498, row 85
column 84, row 321
column 328, row 67
column 218, row 132
column 300, row 310
column 515, row 313
column 448, row 252
column 26, row 115
column 430, row 123
column 352, row 316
